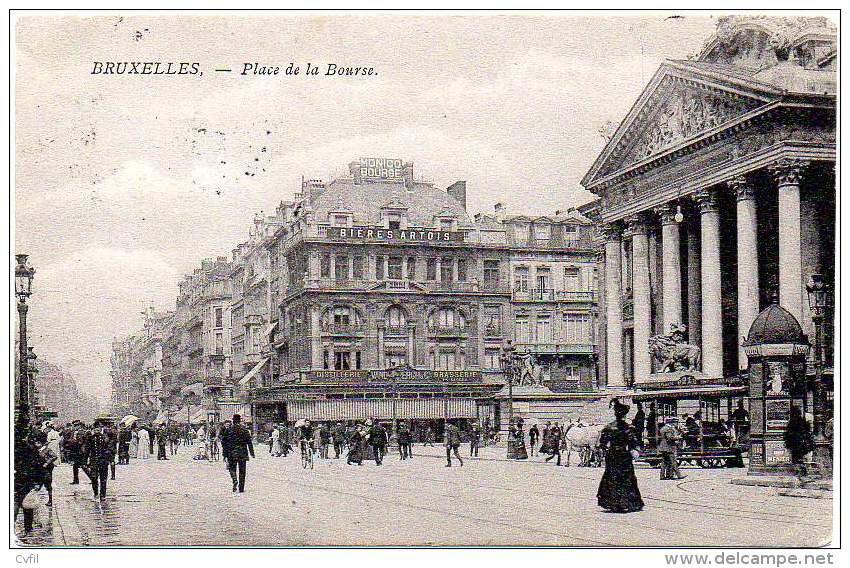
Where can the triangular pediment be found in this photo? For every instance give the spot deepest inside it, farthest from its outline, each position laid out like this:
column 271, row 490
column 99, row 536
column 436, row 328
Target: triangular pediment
column 681, row 104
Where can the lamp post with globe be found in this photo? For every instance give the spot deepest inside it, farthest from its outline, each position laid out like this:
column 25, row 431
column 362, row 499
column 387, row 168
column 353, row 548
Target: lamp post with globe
column 23, row 289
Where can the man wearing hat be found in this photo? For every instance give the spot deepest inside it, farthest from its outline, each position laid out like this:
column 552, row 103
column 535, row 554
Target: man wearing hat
column 239, row 447
column 668, row 447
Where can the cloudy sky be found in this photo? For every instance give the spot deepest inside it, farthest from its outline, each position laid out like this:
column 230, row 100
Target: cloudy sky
column 124, row 183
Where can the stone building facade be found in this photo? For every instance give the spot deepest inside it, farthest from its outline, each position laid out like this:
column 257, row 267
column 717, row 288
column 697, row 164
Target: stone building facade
column 717, row 191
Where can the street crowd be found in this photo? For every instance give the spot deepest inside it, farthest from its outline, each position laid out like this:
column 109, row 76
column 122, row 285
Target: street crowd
column 95, row 449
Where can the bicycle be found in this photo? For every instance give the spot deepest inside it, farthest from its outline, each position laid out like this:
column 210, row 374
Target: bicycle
column 306, row 454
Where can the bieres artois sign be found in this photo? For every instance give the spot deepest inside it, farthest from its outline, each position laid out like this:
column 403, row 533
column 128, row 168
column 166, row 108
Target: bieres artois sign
column 382, row 234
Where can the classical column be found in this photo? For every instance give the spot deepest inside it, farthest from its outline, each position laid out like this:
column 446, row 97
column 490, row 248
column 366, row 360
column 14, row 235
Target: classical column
column 641, row 297
column 694, row 276
column 712, row 313
column 671, row 267
column 316, row 336
column 787, row 174
column 613, row 307
column 748, row 262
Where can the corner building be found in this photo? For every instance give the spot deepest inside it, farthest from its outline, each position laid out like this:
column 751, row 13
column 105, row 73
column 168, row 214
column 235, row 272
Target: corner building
column 391, row 302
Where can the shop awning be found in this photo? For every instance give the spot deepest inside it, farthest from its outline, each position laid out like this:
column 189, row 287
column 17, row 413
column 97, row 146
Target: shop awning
column 405, row 409
column 253, row 372
column 690, row 393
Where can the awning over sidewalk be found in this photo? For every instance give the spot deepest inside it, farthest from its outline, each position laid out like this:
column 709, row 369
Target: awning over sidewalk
column 253, row 372
column 405, row 409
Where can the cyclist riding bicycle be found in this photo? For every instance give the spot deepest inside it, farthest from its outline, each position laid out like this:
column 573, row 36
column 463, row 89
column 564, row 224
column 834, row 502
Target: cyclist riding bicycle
column 305, row 437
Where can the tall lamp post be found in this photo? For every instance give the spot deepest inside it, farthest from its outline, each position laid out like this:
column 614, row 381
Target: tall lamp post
column 817, row 292
column 23, row 289
column 508, row 365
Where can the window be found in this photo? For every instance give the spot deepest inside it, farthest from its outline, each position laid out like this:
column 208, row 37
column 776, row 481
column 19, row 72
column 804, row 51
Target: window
column 461, row 270
column 542, row 233
column 394, row 268
column 379, row 268
column 492, row 320
column 446, row 269
column 521, row 279
column 357, row 267
column 572, row 372
column 219, row 317
column 395, row 359
column 577, row 328
column 544, row 279
column 521, row 231
column 341, row 267
column 219, row 343
column 394, row 221
column 342, row 315
column 431, row 269
column 544, row 330
column 325, row 266
column 572, row 279
column 570, row 234
column 522, row 330
column 340, row 220
column 342, row 360
column 446, row 361
column 446, row 224
column 447, row 318
column 396, row 317
column 411, row 268
column 491, row 274
column 491, row 358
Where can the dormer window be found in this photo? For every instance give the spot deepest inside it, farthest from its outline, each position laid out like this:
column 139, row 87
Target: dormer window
column 447, row 224
column 341, row 220
column 542, row 233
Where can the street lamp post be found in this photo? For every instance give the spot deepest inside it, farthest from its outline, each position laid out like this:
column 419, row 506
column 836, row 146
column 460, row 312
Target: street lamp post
column 817, row 292
column 507, row 363
column 23, row 289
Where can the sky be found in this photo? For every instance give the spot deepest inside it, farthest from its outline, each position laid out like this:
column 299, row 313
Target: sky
column 123, row 184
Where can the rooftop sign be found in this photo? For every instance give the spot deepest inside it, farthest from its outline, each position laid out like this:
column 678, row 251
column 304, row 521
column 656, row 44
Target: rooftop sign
column 381, row 168
column 395, row 235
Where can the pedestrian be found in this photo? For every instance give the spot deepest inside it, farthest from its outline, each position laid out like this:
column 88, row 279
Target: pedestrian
column 238, row 448
column 430, row 436
column 533, row 436
column 405, row 441
column 554, row 443
column 112, row 435
column 274, row 441
column 452, row 436
column 134, row 442
column 28, row 474
column 669, row 438
column 618, row 489
column 338, row 437
column 151, row 432
column 173, row 440
column 798, row 439
column 356, row 445
column 101, row 452
column 520, row 453
column 324, row 440
column 652, row 425
column 378, row 441
column 124, row 435
column 161, row 442
column 144, row 443
column 639, row 423
column 77, row 451
column 474, row 439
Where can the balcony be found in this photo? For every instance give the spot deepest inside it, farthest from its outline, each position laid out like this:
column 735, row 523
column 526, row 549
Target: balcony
column 556, row 348
column 447, row 330
column 549, row 295
column 396, row 331
column 347, row 329
column 493, row 330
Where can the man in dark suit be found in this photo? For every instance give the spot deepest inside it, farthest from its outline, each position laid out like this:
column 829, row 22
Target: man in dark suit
column 237, row 445
column 101, row 453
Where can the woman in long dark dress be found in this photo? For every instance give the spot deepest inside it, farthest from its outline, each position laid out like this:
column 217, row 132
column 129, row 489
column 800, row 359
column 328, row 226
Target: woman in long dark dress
column 618, row 490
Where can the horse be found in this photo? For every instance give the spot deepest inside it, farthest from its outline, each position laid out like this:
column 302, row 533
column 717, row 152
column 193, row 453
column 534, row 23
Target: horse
column 585, row 438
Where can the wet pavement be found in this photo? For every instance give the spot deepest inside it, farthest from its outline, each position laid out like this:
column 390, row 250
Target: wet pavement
column 488, row 501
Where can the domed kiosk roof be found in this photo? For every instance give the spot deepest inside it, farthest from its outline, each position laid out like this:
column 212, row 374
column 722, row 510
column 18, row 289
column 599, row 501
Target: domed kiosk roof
column 775, row 325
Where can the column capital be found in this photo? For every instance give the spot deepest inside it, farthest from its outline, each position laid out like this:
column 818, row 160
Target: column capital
column 788, row 171
column 610, row 232
column 635, row 225
column 667, row 213
column 707, row 201
column 742, row 188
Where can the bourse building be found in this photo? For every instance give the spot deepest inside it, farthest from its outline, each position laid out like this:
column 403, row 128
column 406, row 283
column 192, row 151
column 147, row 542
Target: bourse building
column 717, row 191
column 391, row 302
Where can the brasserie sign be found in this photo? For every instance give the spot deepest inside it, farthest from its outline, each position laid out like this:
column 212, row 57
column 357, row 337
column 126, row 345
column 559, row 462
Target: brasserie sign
column 394, row 235
column 401, row 375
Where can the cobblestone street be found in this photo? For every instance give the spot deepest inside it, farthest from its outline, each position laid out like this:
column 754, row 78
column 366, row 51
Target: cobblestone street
column 487, row 501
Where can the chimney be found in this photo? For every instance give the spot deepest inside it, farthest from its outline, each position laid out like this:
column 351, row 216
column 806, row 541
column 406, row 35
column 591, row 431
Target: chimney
column 558, row 212
column 313, row 188
column 407, row 173
column 498, row 210
column 458, row 191
column 354, row 170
